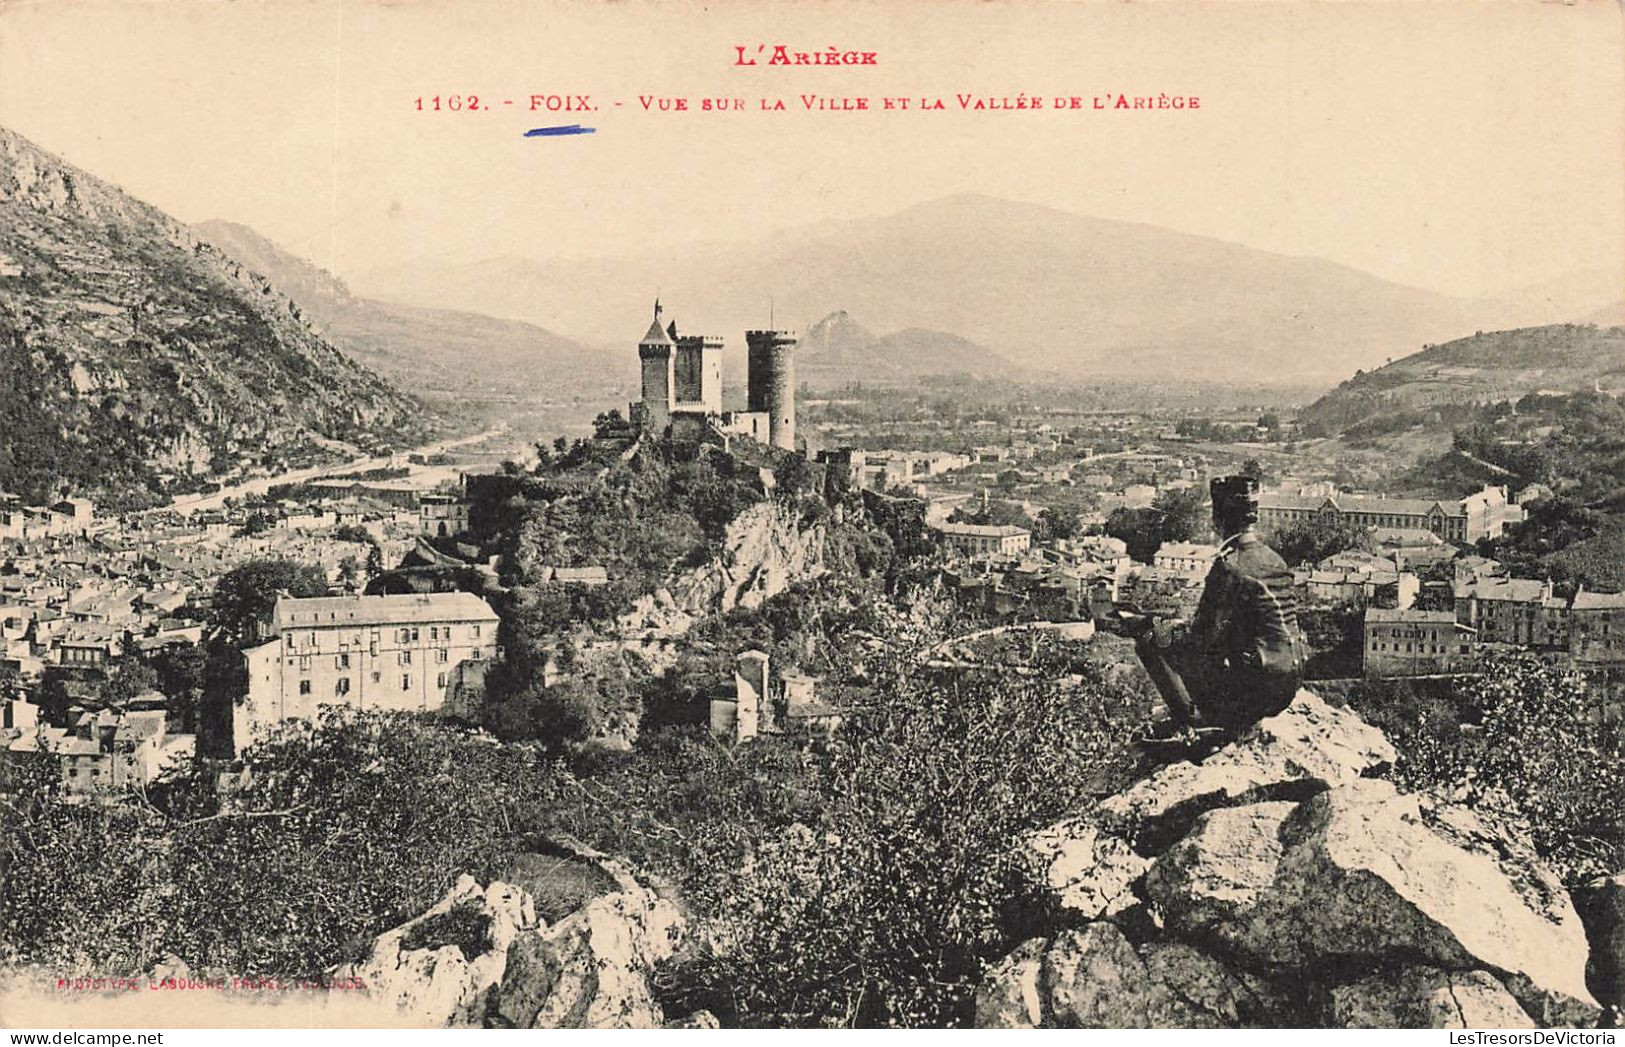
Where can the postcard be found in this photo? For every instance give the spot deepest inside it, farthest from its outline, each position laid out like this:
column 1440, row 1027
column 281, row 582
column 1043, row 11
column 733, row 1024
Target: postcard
column 847, row 514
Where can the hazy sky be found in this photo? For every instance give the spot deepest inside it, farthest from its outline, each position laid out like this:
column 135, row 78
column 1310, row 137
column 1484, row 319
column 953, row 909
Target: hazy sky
column 1463, row 147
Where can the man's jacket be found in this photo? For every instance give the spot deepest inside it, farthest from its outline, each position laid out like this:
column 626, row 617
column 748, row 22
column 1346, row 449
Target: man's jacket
column 1247, row 620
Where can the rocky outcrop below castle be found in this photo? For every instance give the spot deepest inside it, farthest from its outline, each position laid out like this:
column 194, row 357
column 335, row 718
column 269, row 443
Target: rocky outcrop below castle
column 481, row 957
column 764, row 551
column 1282, row 883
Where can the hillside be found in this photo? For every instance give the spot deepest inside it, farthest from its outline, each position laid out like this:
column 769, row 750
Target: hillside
column 837, row 349
column 132, row 351
column 1047, row 288
column 435, row 353
column 1425, row 387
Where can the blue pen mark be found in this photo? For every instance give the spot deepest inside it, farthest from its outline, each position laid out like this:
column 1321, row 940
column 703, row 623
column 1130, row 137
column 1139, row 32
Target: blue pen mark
column 561, row 129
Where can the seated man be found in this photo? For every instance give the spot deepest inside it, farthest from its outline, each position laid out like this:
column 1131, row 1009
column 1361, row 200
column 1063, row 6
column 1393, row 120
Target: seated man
column 1239, row 660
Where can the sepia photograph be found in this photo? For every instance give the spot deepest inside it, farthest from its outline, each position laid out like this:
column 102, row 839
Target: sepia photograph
column 832, row 514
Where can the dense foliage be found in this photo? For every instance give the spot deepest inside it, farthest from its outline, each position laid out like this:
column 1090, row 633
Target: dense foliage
column 885, row 909
column 1312, row 540
column 861, row 879
column 1525, row 742
column 343, row 828
column 1175, row 516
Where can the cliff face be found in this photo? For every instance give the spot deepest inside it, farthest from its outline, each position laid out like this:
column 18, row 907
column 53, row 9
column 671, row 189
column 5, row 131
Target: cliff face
column 1279, row 884
column 130, row 347
column 764, row 551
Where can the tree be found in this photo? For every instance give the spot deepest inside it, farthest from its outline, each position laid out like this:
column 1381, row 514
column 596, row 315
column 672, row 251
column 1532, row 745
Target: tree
column 1058, row 524
column 350, row 573
column 888, row 908
column 792, row 477
column 1314, row 539
column 346, row 828
column 245, row 595
column 1533, row 754
column 129, row 679
column 1185, row 516
column 1175, row 516
column 258, row 522
column 183, row 677
column 1254, row 468
column 55, row 695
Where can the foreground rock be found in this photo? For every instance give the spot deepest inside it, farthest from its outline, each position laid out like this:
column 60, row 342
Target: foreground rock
column 1277, row 883
column 435, row 981
column 507, row 968
column 1601, row 904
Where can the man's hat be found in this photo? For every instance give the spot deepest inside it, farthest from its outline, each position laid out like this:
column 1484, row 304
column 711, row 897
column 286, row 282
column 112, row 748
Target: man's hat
column 1235, row 498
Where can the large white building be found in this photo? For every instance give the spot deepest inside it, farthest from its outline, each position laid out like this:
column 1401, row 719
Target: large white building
column 983, row 539
column 420, row 652
column 1486, row 514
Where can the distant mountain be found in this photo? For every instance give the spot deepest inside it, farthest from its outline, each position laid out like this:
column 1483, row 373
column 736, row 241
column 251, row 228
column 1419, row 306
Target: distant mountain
column 837, row 349
column 1484, row 368
column 1045, row 288
column 130, row 348
column 1583, row 296
column 432, row 352
column 1612, row 315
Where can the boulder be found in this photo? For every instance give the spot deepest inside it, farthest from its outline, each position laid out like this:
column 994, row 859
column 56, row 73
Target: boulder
column 438, row 984
column 1367, row 875
column 697, row 1020
column 1279, row 883
column 1084, row 870
column 1601, row 905
column 1221, row 868
column 1008, row 996
column 1305, row 748
column 591, row 970
column 1425, row 998
column 1095, row 978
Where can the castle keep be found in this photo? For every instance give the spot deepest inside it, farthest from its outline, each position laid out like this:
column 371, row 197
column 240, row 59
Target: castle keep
column 682, row 386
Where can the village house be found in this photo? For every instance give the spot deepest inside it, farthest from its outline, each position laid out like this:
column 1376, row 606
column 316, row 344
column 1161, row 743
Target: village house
column 759, row 705
column 1522, row 611
column 1414, row 643
column 113, row 751
column 1597, row 628
column 442, row 515
column 1188, row 560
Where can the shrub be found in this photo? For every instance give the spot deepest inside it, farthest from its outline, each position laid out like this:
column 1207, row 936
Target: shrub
column 463, row 925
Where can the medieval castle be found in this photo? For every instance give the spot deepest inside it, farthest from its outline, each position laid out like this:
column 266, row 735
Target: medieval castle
column 682, row 386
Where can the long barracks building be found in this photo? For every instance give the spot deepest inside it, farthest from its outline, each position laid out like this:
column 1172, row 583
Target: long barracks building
column 1482, row 515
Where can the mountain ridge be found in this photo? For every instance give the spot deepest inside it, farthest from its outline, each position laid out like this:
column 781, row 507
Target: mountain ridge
column 1481, row 368
column 1046, row 289
column 838, row 349
column 429, row 351
column 137, row 356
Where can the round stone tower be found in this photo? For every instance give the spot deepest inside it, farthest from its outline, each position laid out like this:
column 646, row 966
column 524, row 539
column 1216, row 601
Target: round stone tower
column 655, row 353
column 771, row 363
